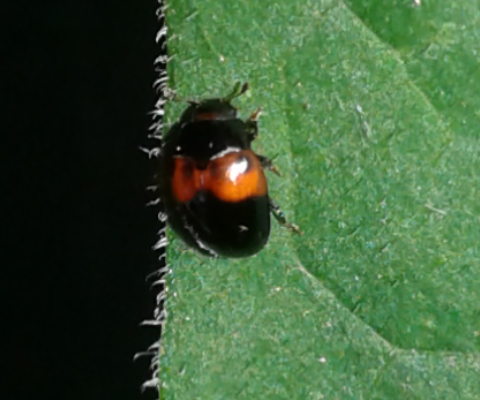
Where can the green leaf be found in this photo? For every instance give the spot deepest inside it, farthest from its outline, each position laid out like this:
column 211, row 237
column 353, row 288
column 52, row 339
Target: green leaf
column 373, row 111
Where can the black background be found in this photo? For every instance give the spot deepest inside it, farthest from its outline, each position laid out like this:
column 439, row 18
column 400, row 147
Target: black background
column 76, row 89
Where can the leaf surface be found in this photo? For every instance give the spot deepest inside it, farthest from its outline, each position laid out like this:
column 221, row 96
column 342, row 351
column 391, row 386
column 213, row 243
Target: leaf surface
column 371, row 111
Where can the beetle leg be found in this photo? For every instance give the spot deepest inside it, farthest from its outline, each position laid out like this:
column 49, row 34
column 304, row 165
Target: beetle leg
column 255, row 115
column 267, row 163
column 280, row 217
column 252, row 130
column 252, row 124
column 172, row 95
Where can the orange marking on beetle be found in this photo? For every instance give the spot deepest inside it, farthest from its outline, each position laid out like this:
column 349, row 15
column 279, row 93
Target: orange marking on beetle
column 206, row 116
column 234, row 177
column 237, row 176
column 183, row 183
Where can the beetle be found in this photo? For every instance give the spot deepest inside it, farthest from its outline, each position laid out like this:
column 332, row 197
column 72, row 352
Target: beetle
column 212, row 184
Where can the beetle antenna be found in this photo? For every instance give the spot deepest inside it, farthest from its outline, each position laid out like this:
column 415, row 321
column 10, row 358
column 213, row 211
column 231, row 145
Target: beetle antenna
column 238, row 90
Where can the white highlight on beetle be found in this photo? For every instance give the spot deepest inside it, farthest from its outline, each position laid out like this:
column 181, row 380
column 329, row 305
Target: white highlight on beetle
column 237, row 169
column 225, row 151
